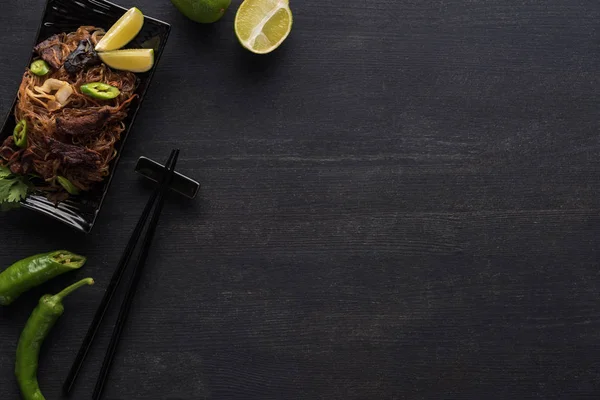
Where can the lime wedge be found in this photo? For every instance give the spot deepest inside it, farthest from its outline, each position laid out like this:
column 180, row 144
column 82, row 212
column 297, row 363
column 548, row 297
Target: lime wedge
column 262, row 25
column 134, row 60
column 123, row 31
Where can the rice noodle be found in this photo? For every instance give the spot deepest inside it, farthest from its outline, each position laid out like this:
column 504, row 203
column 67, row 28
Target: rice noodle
column 40, row 110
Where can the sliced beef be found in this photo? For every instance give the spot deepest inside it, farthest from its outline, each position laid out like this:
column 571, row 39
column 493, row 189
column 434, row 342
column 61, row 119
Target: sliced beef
column 24, row 164
column 50, row 50
column 8, row 149
column 9, row 142
column 71, row 155
column 27, row 159
column 6, row 153
column 87, row 123
column 16, row 168
column 19, row 161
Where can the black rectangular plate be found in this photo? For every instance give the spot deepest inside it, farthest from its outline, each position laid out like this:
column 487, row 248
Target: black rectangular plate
column 81, row 212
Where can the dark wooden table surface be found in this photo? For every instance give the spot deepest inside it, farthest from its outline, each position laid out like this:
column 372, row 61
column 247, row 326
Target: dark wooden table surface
column 400, row 203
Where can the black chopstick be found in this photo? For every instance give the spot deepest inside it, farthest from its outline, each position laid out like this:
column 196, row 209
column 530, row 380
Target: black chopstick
column 114, row 283
column 133, row 283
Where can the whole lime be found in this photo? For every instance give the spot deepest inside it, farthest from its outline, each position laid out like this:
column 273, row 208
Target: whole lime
column 203, row 11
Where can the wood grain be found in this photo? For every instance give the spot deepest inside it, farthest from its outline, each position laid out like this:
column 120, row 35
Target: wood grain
column 400, row 203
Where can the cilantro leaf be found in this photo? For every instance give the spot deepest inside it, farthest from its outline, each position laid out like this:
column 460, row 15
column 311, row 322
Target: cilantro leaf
column 13, row 189
column 18, row 191
column 5, row 185
column 4, row 172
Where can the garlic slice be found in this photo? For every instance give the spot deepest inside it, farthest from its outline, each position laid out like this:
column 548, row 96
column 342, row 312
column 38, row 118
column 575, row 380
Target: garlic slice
column 63, row 94
column 63, row 89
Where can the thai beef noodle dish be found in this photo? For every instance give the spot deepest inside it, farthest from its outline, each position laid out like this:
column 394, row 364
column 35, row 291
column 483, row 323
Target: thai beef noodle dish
column 69, row 115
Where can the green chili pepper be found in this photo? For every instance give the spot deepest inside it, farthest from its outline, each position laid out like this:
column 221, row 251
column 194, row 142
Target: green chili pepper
column 41, row 321
column 99, row 90
column 39, row 67
column 35, row 270
column 20, row 134
column 67, row 185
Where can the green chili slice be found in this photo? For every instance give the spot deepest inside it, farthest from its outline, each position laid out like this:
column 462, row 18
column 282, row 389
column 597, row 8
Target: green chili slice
column 39, row 67
column 100, row 91
column 68, row 185
column 20, row 134
column 35, row 270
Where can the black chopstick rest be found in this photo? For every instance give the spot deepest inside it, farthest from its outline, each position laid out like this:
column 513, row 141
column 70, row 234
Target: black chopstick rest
column 155, row 172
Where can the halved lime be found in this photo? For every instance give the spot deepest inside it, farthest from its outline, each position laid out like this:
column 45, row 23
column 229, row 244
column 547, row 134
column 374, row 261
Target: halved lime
column 134, row 60
column 123, row 31
column 262, row 25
